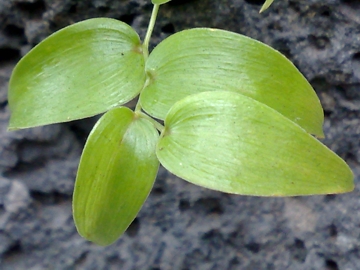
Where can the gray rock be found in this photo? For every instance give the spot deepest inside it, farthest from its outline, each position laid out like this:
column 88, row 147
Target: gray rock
column 182, row 226
column 5, row 186
column 17, row 197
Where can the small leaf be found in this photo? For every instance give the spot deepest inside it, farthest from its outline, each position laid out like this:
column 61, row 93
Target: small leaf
column 198, row 60
column 266, row 5
column 82, row 70
column 160, row 2
column 116, row 173
column 232, row 143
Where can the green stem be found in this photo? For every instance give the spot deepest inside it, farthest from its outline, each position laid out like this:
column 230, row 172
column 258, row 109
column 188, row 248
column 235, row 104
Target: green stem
column 156, row 124
column 145, row 46
column 150, row 30
column 138, row 106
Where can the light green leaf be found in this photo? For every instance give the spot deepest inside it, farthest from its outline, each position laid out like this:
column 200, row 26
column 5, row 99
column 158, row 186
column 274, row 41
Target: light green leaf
column 82, row 70
column 116, row 173
column 160, row 2
column 266, row 5
column 198, row 60
column 232, row 143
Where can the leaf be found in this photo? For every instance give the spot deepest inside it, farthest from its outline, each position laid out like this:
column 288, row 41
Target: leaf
column 160, row 2
column 229, row 142
column 116, row 173
column 199, row 60
column 266, row 5
column 80, row 71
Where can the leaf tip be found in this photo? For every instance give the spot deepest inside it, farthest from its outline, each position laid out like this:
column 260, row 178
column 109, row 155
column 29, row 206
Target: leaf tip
column 320, row 134
column 266, row 5
column 12, row 127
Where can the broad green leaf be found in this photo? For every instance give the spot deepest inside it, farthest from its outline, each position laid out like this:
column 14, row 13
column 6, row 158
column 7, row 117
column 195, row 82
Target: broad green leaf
column 82, row 70
column 266, row 5
column 204, row 59
column 160, row 2
column 232, row 143
column 116, row 173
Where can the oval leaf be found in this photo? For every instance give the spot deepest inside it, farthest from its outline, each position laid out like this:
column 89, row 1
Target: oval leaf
column 116, row 173
column 82, row 70
column 232, row 143
column 200, row 60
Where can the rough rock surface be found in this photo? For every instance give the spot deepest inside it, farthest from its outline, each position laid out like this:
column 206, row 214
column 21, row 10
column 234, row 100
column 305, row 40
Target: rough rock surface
column 182, row 226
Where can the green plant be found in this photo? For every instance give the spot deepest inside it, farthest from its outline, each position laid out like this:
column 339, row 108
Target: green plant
column 237, row 117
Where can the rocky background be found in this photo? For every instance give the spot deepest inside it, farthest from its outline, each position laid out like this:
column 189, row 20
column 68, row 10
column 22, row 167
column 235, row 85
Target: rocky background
column 182, row 226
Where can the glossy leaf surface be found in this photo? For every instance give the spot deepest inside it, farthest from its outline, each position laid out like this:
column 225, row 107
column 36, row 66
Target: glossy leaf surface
column 266, row 5
column 116, row 173
column 232, row 143
column 204, row 59
column 82, row 70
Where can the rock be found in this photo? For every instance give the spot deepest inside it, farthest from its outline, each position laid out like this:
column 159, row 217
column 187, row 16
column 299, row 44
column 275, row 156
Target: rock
column 17, row 197
column 5, row 186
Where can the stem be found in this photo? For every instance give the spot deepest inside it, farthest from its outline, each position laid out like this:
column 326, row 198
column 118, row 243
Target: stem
column 156, row 124
column 145, row 47
column 138, row 106
column 150, row 30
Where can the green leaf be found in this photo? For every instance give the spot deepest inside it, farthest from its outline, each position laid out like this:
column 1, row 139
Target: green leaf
column 116, row 173
column 198, row 60
column 82, row 70
column 160, row 2
column 232, row 143
column 266, row 5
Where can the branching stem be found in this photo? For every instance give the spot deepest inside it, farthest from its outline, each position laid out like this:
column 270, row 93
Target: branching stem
column 145, row 45
column 156, row 124
column 150, row 30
